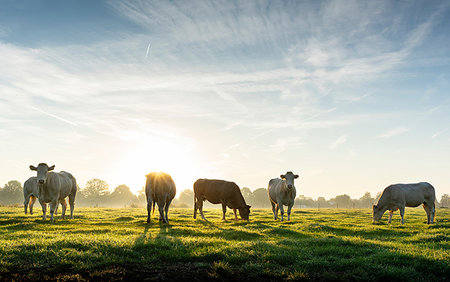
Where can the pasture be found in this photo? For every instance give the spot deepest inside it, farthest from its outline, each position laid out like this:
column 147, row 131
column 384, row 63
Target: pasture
column 326, row 244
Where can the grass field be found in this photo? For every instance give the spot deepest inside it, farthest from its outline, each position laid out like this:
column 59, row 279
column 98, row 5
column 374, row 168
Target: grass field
column 326, row 244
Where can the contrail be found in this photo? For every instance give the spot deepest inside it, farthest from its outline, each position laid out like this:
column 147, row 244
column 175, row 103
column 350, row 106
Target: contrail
column 148, row 48
column 54, row 116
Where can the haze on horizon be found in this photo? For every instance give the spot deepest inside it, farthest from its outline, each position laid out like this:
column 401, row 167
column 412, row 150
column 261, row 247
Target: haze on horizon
column 351, row 95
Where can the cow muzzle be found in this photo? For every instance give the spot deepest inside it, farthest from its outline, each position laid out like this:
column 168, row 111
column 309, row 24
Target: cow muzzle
column 290, row 186
column 41, row 181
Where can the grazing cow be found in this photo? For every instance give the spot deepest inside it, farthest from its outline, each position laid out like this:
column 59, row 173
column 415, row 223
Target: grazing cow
column 220, row 192
column 30, row 193
column 282, row 192
column 160, row 189
column 54, row 187
column 398, row 196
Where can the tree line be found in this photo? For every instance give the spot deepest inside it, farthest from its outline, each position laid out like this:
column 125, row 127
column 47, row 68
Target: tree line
column 97, row 193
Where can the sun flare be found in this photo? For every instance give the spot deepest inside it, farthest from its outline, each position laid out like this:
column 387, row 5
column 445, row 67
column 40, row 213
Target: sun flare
column 159, row 156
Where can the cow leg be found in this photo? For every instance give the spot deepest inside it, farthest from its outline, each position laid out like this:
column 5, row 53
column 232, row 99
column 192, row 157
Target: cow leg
column 289, row 211
column 432, row 211
column 200, row 208
column 149, row 209
column 224, row 210
column 33, row 200
column 53, row 205
column 275, row 210
column 195, row 207
column 44, row 209
column 390, row 216
column 402, row 213
column 64, row 207
column 25, row 203
column 166, row 209
column 280, row 205
column 235, row 214
column 161, row 213
column 71, row 204
column 428, row 211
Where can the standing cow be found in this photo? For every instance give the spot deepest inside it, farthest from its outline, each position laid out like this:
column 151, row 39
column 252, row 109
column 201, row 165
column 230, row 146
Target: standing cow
column 398, row 196
column 160, row 189
column 54, row 187
column 282, row 192
column 30, row 193
column 220, row 192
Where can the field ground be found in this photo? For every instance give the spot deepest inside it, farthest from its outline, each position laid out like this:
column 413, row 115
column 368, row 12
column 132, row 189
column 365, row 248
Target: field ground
column 326, row 244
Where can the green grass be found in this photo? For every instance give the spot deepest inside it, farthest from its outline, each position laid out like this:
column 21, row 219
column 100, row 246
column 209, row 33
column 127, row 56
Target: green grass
column 326, row 244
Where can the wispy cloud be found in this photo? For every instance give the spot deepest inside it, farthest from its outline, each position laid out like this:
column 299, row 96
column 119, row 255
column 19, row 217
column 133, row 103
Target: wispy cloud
column 438, row 133
column 393, row 132
column 341, row 140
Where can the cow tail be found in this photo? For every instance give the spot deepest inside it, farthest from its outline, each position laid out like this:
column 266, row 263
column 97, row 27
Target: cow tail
column 153, row 210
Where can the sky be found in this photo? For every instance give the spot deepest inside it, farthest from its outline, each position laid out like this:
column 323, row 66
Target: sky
column 351, row 95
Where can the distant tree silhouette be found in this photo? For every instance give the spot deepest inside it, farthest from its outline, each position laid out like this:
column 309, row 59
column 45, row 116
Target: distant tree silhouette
column 261, row 198
column 11, row 193
column 366, row 201
column 95, row 192
column 343, row 201
column 121, row 196
column 445, row 201
column 248, row 196
column 186, row 198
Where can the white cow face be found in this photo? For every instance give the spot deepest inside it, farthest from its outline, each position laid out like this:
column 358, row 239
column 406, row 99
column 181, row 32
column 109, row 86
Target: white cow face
column 42, row 170
column 377, row 213
column 289, row 178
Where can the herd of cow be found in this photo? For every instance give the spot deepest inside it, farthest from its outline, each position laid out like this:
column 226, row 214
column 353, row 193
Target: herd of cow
column 54, row 187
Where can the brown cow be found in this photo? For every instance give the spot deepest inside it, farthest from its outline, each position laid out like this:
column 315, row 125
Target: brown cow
column 159, row 189
column 220, row 192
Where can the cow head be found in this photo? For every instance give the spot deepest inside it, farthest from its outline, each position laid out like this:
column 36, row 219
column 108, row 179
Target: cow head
column 377, row 213
column 289, row 178
column 42, row 170
column 245, row 212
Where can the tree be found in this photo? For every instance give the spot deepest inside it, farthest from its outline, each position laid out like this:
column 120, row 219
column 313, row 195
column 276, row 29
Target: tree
column 366, row 201
column 445, row 201
column 343, row 201
column 186, row 198
column 12, row 193
column 322, row 203
column 96, row 191
column 122, row 196
column 261, row 198
column 248, row 196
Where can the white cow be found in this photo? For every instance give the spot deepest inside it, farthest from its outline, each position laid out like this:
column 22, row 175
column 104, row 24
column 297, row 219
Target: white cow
column 30, row 192
column 282, row 192
column 399, row 196
column 54, row 187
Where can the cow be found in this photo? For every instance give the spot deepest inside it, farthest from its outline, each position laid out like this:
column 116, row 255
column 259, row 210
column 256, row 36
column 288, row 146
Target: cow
column 398, row 196
column 282, row 192
column 220, row 192
column 54, row 187
column 30, row 193
column 160, row 189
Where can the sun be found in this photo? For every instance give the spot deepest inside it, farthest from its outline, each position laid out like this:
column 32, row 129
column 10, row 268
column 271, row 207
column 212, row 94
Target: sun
column 159, row 155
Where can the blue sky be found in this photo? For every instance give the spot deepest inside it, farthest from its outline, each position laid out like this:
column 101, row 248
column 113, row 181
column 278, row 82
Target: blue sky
column 351, row 95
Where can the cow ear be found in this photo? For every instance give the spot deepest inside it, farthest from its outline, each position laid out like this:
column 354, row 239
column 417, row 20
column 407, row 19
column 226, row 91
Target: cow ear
column 51, row 168
column 374, row 206
column 249, row 206
column 32, row 167
column 296, row 176
column 282, row 176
